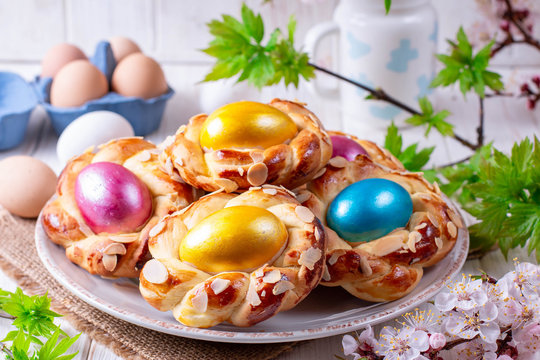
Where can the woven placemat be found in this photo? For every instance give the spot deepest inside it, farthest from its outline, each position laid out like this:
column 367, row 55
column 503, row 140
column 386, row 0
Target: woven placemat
column 19, row 259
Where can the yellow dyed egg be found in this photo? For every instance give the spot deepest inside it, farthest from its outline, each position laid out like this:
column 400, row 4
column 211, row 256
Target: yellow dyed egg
column 238, row 238
column 246, row 124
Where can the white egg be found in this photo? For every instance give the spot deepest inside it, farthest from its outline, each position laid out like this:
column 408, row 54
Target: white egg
column 93, row 128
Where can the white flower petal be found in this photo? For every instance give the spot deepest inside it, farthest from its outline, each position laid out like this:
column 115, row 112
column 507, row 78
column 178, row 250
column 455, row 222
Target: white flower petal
column 445, row 301
column 489, row 332
column 419, row 340
column 349, row 345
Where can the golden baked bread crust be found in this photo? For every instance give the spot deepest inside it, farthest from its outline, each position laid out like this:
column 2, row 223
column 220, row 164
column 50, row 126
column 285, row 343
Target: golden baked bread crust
column 112, row 255
column 390, row 267
column 203, row 300
column 290, row 165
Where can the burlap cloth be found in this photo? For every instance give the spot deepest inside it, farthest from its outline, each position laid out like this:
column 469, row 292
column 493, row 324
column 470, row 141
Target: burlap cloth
column 19, row 259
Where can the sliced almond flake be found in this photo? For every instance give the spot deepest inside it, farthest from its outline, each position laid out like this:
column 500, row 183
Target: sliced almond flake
column 115, row 249
column 253, row 188
column 437, row 189
column 423, row 196
column 338, row 162
column 155, row 272
column 109, row 262
column 85, row 229
column 179, row 161
column 334, row 258
column 309, row 257
column 304, row 214
column 389, row 244
column 144, row 156
column 452, row 229
column 240, row 171
column 263, row 293
column 270, row 186
column 302, row 197
column 282, row 286
column 433, row 219
column 226, row 184
column 124, row 238
column 257, row 174
column 272, row 277
column 317, row 234
column 200, row 301
column 252, row 297
column 420, row 226
column 414, row 237
column 212, row 193
column 439, row 242
column 156, row 230
column 456, row 219
column 364, row 265
column 288, row 191
column 182, row 129
column 219, row 285
column 319, row 173
column 259, row 273
column 257, row 157
column 326, row 274
column 270, row 191
column 154, row 151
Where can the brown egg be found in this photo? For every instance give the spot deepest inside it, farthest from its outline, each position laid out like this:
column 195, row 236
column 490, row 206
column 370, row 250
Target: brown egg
column 139, row 76
column 76, row 83
column 26, row 184
column 58, row 56
column 122, row 47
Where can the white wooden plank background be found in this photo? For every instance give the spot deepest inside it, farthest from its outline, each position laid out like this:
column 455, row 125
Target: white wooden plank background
column 172, row 31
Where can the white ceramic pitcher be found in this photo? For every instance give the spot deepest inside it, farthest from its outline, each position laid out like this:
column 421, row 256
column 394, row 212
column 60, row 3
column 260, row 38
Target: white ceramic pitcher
column 394, row 52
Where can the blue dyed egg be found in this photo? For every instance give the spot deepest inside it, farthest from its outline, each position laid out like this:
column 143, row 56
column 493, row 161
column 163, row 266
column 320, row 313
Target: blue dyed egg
column 369, row 209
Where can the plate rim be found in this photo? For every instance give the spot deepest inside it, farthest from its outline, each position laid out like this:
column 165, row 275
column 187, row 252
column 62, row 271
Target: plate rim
column 461, row 248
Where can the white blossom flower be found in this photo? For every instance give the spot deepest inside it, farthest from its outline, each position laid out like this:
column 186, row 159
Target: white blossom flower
column 402, row 344
column 527, row 342
column 365, row 341
column 519, row 314
column 524, row 281
column 426, row 318
column 464, row 295
column 437, row 341
column 472, row 350
column 467, row 324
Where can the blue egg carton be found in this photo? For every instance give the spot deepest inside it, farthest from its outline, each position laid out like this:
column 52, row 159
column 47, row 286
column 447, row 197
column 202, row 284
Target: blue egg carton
column 17, row 100
column 143, row 114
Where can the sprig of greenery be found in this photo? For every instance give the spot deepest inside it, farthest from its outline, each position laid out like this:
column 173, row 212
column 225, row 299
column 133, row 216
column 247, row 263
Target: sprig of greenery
column 469, row 69
column 508, row 194
column 239, row 49
column 387, row 5
column 430, row 119
column 36, row 336
column 411, row 159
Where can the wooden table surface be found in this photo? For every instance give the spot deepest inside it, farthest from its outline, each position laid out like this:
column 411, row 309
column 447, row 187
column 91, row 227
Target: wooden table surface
column 507, row 121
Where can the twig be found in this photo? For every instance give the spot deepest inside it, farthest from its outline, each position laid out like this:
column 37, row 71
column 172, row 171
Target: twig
column 3, row 315
column 5, row 350
column 480, row 129
column 453, row 163
column 510, row 15
column 380, row 94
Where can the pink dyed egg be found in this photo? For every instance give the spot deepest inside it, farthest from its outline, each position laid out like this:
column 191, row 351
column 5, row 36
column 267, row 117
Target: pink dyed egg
column 347, row 148
column 111, row 198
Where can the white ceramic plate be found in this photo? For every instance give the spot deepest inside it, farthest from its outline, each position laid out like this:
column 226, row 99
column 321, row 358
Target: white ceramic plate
column 325, row 312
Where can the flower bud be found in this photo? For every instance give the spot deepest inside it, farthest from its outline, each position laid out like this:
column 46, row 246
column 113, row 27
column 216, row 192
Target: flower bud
column 536, row 80
column 437, row 341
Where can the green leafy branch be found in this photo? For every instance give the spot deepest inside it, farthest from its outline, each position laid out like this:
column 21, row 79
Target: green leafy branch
column 239, row 49
column 36, row 336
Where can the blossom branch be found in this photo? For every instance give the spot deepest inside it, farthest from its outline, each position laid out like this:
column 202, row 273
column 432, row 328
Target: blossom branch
column 5, row 350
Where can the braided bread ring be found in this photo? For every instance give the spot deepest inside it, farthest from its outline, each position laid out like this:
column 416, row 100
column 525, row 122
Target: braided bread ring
column 112, row 255
column 290, row 165
column 390, row 267
column 203, row 300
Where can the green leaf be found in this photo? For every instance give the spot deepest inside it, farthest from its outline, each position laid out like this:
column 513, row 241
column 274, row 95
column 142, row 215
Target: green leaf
column 393, row 141
column 238, row 49
column 387, row 5
column 411, row 159
column 470, row 70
